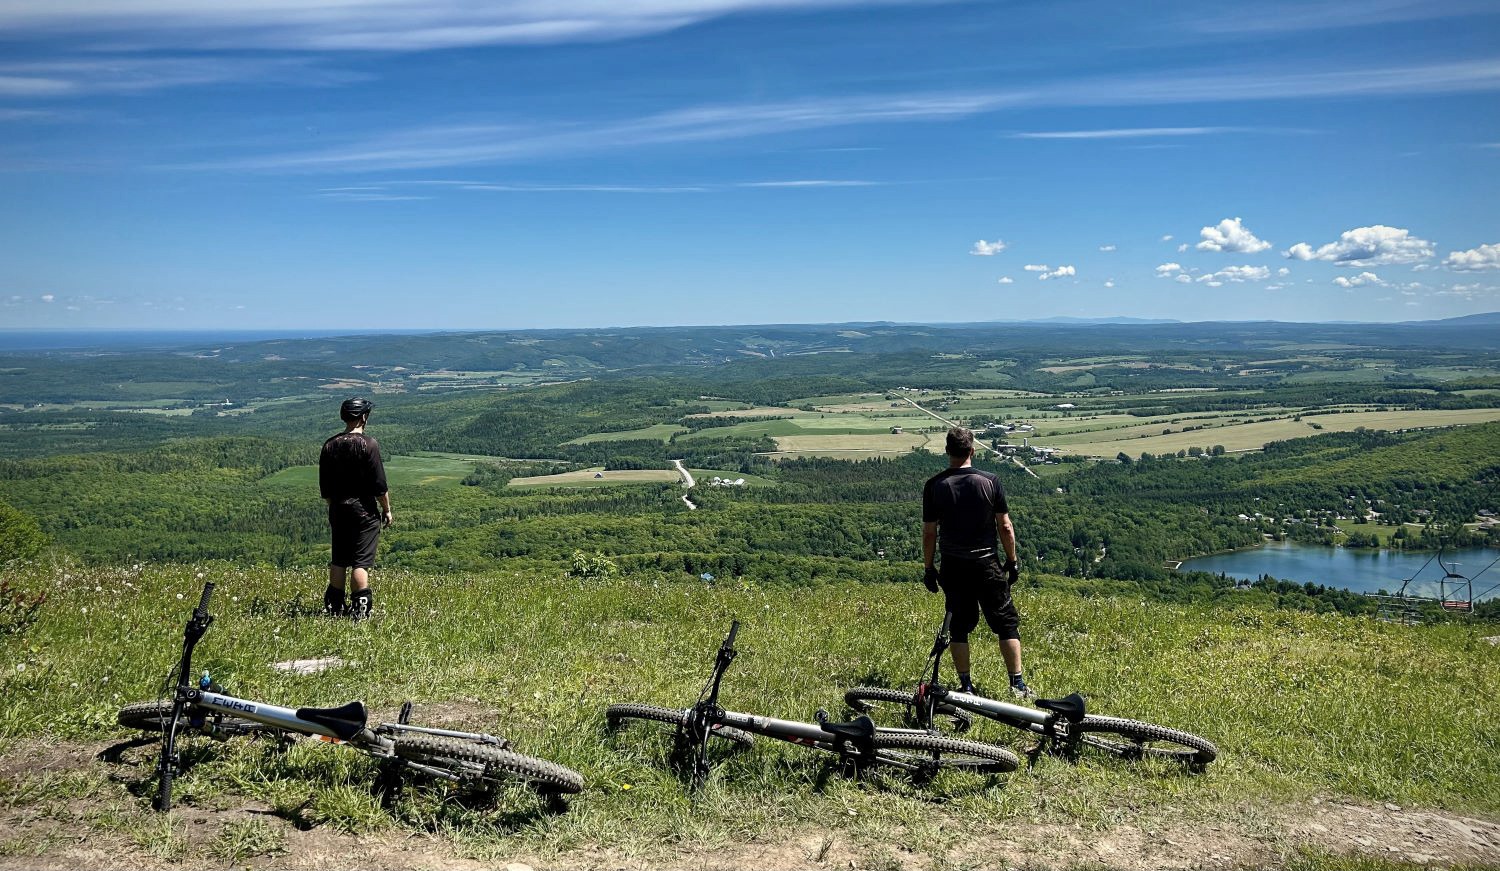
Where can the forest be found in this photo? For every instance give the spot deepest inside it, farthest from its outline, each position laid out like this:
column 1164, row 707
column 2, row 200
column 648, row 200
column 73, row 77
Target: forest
column 109, row 484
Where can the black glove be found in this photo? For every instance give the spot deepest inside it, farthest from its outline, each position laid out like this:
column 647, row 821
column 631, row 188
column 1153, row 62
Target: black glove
column 1012, row 571
column 929, row 579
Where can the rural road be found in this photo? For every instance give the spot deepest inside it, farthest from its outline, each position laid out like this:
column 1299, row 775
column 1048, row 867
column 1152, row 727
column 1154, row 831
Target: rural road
column 687, row 483
column 1020, row 465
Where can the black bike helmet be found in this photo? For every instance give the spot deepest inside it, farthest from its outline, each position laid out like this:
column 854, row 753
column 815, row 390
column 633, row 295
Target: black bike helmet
column 355, row 408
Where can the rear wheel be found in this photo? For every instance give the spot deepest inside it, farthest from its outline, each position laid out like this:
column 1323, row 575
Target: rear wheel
column 617, row 715
column 469, row 760
column 1132, row 739
column 930, row 753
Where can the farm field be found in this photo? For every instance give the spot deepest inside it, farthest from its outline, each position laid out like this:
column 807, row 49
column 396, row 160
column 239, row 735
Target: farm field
column 661, row 432
column 1253, row 436
column 598, row 477
column 400, row 471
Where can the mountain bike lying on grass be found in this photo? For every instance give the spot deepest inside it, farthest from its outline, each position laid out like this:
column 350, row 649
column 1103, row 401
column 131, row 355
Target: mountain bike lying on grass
column 467, row 758
column 1063, row 724
column 858, row 744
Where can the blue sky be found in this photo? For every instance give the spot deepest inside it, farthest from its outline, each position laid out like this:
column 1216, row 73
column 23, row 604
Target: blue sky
column 382, row 164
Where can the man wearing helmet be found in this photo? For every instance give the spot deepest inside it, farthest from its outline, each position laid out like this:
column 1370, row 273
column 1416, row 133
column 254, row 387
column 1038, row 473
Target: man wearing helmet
column 351, row 477
column 966, row 518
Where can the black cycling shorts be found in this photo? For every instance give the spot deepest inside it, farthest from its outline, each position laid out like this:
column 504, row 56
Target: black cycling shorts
column 355, row 524
column 970, row 586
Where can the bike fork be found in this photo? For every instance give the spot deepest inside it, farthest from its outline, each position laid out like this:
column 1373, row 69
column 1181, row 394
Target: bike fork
column 166, row 766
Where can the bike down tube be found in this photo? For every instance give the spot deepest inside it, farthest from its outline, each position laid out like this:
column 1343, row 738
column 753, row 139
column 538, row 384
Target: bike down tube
column 998, row 709
column 791, row 731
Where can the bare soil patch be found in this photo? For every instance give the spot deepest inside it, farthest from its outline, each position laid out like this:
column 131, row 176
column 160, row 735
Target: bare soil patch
column 104, row 829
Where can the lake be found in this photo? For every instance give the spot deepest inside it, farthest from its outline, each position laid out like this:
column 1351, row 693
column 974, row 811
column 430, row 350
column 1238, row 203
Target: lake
column 1365, row 571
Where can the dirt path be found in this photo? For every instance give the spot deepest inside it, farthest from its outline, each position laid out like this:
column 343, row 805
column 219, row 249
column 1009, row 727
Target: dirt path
column 42, row 828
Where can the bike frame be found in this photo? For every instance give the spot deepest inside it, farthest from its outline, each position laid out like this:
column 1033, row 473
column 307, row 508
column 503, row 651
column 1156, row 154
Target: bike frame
column 706, row 716
column 193, row 702
column 931, row 692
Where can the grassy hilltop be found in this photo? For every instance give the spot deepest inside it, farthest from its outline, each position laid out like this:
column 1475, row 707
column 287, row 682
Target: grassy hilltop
column 1301, row 706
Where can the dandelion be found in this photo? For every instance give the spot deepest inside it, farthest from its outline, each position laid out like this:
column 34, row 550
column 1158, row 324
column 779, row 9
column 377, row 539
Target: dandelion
column 105, row 679
column 179, row 595
column 84, row 610
column 20, row 666
column 73, row 685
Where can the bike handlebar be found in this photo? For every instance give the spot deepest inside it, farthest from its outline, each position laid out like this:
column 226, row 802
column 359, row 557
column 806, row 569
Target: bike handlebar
column 734, row 629
column 947, row 620
column 208, row 592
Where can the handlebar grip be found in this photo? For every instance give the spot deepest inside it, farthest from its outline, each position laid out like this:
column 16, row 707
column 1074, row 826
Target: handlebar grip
column 208, row 592
column 947, row 619
column 734, row 629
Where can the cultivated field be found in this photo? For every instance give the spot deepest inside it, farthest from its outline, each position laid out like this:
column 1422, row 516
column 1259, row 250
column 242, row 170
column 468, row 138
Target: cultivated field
column 598, row 477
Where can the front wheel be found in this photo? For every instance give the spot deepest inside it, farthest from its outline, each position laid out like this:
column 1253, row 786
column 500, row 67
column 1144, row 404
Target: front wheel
column 927, row 754
column 1132, row 739
column 617, row 715
column 154, row 716
column 470, row 760
column 872, row 700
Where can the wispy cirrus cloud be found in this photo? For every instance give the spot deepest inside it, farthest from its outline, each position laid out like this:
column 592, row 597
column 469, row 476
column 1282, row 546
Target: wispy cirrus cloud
column 1129, row 132
column 124, row 75
column 399, row 190
column 379, row 25
column 481, row 143
column 1331, row 15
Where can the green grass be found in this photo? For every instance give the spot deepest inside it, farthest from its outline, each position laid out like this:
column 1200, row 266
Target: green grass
column 401, row 472
column 1298, row 704
column 661, row 432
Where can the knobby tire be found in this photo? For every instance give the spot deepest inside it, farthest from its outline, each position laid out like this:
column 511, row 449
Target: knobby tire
column 499, row 765
column 868, row 700
column 1132, row 739
column 153, row 716
column 950, row 753
column 617, row 714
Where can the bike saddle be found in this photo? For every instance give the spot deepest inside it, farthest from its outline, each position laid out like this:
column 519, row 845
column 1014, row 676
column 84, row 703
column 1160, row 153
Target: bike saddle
column 861, row 728
column 346, row 721
column 1071, row 706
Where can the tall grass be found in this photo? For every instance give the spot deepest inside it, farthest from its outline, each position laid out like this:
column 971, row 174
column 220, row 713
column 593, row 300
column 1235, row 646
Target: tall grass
column 1299, row 704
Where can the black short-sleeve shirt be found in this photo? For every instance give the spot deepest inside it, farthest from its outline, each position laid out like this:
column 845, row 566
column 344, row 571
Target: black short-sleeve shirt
column 350, row 468
column 964, row 504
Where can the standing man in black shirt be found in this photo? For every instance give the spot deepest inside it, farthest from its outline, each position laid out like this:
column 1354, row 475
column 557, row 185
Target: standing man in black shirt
column 351, row 477
column 964, row 515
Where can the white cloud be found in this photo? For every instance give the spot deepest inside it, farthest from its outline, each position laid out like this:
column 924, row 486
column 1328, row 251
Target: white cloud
column 1059, row 272
column 1107, row 248
column 987, row 249
column 364, row 25
column 1359, row 280
column 1168, row 268
column 1006, row 279
column 1109, row 282
column 1474, row 259
column 1036, row 267
column 1231, row 237
column 1183, row 278
column 1129, row 132
column 47, row 297
column 1377, row 245
column 1182, row 249
column 1235, row 274
column 1283, row 272
column 1167, row 238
